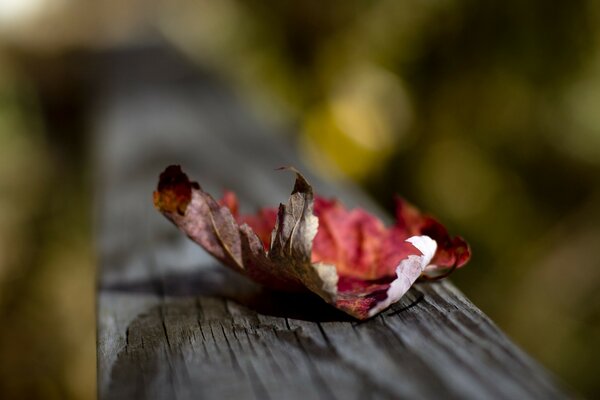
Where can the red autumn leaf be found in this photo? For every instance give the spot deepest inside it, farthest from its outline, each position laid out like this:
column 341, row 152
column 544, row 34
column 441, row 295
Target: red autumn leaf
column 347, row 257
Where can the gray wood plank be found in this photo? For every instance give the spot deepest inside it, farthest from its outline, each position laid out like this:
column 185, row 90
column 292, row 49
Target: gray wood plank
column 173, row 324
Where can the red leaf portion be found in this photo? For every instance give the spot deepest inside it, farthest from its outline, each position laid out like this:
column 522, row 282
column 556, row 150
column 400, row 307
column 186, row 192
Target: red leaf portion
column 357, row 243
column 367, row 256
column 452, row 252
column 365, row 298
column 357, row 297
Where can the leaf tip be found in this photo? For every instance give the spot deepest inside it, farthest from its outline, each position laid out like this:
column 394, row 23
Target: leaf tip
column 174, row 191
column 301, row 184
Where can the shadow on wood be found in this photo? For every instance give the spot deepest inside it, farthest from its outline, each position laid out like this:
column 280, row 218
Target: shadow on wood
column 220, row 282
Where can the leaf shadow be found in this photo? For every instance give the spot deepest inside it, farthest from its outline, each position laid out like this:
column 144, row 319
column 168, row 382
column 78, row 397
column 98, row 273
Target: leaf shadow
column 217, row 281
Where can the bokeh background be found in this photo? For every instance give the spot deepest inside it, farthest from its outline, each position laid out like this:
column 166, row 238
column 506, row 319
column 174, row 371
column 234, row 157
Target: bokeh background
column 486, row 114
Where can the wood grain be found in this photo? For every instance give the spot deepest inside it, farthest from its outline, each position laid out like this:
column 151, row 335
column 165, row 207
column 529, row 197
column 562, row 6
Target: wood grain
column 172, row 324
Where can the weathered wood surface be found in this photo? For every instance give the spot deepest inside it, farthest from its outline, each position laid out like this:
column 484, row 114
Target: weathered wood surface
column 172, row 324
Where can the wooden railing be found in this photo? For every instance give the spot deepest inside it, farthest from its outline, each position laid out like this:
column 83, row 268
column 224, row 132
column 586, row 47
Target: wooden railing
column 173, row 324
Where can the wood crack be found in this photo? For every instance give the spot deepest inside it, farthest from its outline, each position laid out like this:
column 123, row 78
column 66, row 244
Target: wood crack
column 232, row 354
column 323, row 388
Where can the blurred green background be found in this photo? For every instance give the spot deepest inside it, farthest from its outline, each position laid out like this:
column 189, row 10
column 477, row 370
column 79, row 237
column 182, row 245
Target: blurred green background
column 486, row 114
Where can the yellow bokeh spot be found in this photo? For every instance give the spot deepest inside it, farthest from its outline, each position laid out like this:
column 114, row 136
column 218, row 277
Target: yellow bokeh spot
column 361, row 123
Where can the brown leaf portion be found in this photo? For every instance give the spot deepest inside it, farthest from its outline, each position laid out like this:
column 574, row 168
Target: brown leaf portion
column 262, row 223
column 198, row 215
column 259, row 266
column 214, row 227
column 292, row 240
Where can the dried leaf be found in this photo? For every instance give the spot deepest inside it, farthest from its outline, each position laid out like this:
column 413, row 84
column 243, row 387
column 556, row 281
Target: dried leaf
column 349, row 258
column 199, row 216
